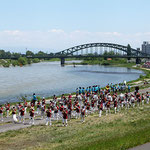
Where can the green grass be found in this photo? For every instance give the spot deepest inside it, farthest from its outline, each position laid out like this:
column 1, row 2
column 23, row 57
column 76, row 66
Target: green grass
column 116, row 131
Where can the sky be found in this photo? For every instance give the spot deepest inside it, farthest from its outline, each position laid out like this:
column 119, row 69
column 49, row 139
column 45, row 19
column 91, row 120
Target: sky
column 55, row 25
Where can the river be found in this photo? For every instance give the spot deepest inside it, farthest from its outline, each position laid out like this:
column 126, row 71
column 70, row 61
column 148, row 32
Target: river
column 49, row 78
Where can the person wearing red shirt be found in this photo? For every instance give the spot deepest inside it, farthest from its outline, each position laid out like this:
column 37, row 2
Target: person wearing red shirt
column 22, row 112
column 65, row 117
column 77, row 111
column 49, row 115
column 1, row 113
column 31, row 115
column 14, row 115
column 43, row 101
column 87, row 108
column 61, row 108
column 100, row 108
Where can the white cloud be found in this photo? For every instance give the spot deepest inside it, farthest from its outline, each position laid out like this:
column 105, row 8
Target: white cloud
column 58, row 39
column 59, row 31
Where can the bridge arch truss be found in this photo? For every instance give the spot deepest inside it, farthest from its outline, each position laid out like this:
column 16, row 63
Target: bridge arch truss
column 111, row 46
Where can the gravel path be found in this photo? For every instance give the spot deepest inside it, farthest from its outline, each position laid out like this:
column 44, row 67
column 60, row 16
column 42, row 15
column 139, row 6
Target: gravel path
column 142, row 147
column 16, row 126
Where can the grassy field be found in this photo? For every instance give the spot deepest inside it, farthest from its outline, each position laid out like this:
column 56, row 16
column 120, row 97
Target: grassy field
column 115, row 132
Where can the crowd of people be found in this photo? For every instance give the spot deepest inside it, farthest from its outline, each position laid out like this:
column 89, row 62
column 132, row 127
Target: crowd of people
column 86, row 101
column 146, row 65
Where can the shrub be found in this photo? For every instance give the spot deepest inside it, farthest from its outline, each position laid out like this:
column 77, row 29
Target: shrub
column 22, row 60
column 36, row 60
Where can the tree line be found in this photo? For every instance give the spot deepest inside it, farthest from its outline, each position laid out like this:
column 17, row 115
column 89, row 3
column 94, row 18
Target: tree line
column 8, row 54
column 21, row 59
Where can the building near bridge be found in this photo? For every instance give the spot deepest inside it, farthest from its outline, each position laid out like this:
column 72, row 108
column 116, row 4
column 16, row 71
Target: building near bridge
column 146, row 47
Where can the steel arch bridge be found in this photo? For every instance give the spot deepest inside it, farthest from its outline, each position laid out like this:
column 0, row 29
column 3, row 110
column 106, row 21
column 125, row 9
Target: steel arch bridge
column 70, row 51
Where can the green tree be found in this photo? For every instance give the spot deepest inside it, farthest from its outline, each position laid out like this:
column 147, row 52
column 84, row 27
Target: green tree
column 16, row 55
column 29, row 53
column 40, row 53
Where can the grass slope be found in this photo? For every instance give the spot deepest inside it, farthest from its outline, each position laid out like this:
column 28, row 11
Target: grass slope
column 116, row 131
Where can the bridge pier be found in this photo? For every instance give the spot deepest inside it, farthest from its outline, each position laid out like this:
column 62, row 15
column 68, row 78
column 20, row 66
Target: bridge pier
column 62, row 61
column 138, row 60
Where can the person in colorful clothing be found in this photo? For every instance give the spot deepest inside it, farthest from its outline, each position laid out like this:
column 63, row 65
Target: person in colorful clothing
column 65, row 117
column 49, row 115
column 22, row 113
column 147, row 97
column 31, row 115
column 15, row 120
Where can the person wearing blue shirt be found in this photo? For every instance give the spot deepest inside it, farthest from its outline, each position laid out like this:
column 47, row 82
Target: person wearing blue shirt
column 80, row 90
column 34, row 98
column 129, row 88
column 87, row 89
column 83, row 91
column 93, row 89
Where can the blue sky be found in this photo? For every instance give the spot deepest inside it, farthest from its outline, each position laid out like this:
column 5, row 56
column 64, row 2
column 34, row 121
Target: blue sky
column 53, row 25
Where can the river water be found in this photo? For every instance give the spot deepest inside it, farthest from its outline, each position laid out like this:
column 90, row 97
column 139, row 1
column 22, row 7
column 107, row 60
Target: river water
column 49, row 78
